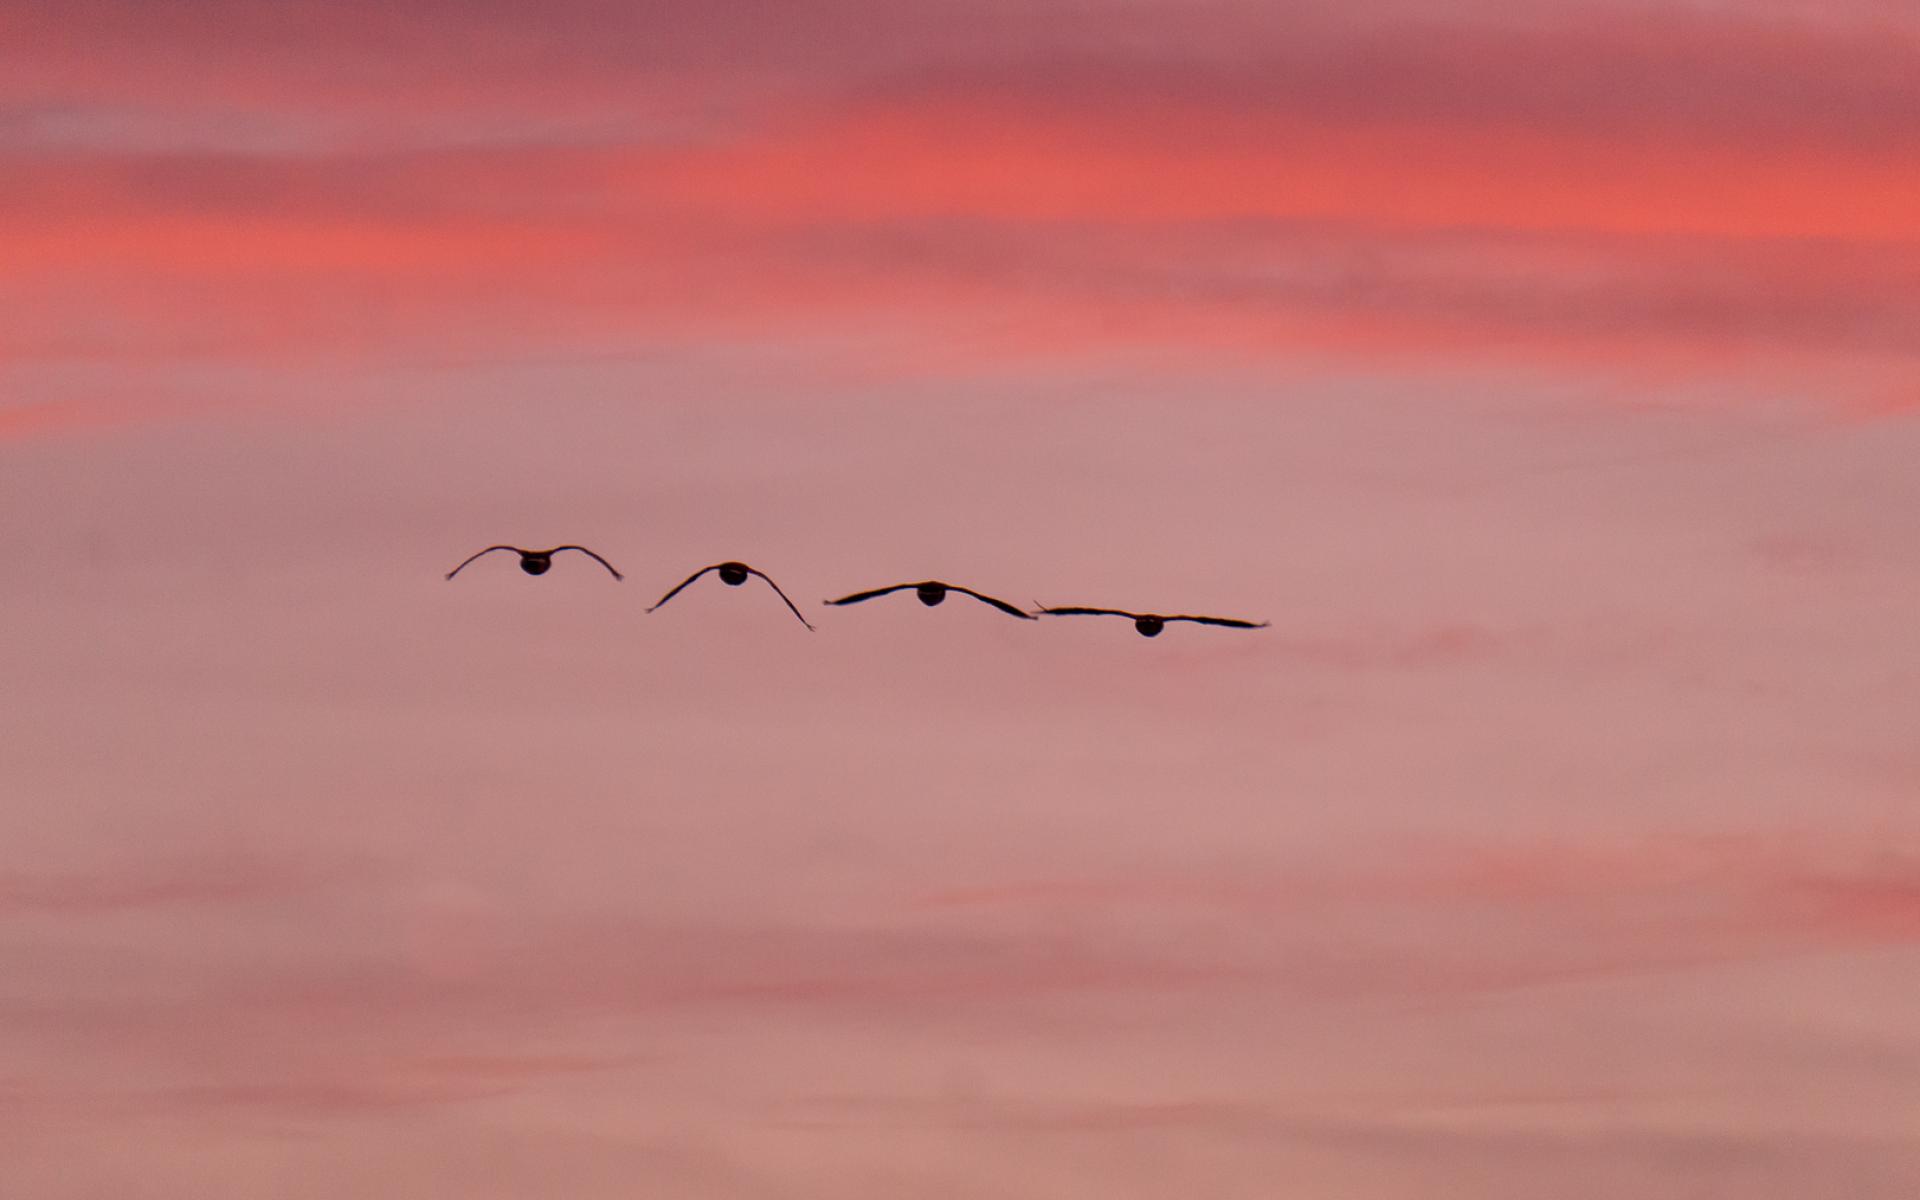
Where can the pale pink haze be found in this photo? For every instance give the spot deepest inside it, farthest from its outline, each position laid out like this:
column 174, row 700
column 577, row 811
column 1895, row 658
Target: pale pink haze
column 1548, row 375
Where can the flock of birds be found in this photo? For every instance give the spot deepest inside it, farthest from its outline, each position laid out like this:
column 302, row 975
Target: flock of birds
column 930, row 592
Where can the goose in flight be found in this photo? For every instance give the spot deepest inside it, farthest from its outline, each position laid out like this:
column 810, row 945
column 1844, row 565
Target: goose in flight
column 1150, row 624
column 733, row 574
column 933, row 592
column 538, row 562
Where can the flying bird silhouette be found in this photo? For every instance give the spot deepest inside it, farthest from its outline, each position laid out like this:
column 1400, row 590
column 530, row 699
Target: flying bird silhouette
column 932, row 592
column 1150, row 624
column 539, row 562
column 733, row 574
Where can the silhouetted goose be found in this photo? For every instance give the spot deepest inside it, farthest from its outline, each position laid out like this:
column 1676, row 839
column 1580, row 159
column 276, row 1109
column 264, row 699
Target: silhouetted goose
column 733, row 574
column 932, row 592
column 539, row 562
column 1150, row 624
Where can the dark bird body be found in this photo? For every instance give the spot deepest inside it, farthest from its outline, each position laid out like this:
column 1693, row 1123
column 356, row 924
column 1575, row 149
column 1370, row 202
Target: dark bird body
column 539, row 562
column 733, row 574
column 932, row 592
column 1150, row 624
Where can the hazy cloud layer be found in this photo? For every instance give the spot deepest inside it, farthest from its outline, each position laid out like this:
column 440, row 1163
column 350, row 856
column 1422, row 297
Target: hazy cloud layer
column 1545, row 378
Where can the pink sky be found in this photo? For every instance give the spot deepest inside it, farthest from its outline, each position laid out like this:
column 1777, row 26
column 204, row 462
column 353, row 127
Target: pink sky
column 1547, row 376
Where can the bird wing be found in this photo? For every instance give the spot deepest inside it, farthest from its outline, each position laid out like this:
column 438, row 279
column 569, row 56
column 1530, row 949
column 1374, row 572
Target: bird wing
column 778, row 592
column 1230, row 622
column 1002, row 605
column 590, row 554
column 1089, row 612
column 683, row 583
column 857, row 597
column 488, row 550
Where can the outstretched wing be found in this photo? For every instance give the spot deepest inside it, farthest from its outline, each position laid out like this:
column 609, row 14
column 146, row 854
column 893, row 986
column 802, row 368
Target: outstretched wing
column 1089, row 612
column 590, row 554
column 857, row 597
column 1002, row 605
column 683, row 583
column 1229, row 622
column 488, row 550
column 777, row 592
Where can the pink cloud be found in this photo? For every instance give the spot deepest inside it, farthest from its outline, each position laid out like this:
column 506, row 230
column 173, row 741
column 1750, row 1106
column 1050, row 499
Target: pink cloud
column 1459, row 188
column 1063, row 234
column 1578, row 912
column 359, row 1086
column 52, row 417
column 1758, row 74
column 225, row 879
column 1808, row 554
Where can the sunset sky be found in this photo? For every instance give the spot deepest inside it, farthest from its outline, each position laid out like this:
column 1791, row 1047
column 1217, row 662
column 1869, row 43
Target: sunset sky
column 1548, row 375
